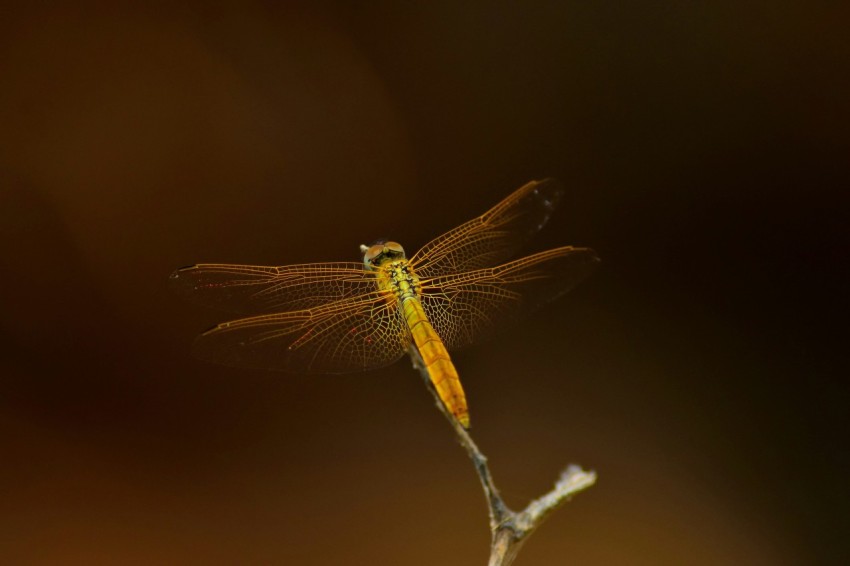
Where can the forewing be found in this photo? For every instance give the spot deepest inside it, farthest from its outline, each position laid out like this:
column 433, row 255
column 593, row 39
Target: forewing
column 493, row 237
column 250, row 289
column 469, row 307
column 340, row 337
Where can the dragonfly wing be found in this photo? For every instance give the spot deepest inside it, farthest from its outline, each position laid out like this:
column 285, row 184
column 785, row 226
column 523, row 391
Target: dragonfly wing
column 493, row 237
column 341, row 337
column 470, row 307
column 250, row 289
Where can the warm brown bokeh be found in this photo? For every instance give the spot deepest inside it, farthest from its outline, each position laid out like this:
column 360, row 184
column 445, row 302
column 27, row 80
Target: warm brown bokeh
column 704, row 148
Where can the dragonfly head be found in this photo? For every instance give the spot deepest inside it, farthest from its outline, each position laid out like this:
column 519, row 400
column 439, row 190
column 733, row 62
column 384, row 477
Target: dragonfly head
column 381, row 252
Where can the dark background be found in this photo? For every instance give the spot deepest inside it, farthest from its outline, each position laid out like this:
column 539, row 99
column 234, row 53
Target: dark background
column 701, row 371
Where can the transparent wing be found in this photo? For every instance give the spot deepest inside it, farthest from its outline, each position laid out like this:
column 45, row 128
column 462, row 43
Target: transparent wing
column 470, row 307
column 340, row 337
column 250, row 289
column 493, row 237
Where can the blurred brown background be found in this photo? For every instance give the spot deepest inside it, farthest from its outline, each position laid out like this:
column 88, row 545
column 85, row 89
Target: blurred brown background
column 704, row 147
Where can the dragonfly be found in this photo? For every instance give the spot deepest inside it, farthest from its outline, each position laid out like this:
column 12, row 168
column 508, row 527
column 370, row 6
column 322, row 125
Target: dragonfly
column 458, row 289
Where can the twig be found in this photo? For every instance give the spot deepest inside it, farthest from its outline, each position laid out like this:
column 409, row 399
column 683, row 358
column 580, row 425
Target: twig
column 508, row 528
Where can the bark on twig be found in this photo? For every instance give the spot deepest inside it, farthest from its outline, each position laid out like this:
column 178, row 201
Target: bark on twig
column 509, row 529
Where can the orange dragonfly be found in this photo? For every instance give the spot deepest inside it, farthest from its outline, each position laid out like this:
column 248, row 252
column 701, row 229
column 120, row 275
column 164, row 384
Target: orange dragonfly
column 346, row 317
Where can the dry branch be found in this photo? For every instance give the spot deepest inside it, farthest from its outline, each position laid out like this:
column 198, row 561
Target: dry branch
column 508, row 528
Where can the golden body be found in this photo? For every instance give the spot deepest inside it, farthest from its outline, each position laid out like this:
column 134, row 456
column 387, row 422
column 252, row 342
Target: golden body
column 400, row 282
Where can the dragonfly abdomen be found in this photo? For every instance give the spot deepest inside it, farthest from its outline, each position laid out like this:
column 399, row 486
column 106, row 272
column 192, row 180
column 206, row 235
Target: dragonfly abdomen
column 436, row 358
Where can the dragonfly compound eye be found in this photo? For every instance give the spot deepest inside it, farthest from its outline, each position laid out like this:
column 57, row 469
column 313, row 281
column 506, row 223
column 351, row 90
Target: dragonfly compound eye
column 372, row 254
column 395, row 248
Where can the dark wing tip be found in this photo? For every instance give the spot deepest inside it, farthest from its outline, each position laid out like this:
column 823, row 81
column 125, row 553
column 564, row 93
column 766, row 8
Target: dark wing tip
column 183, row 281
column 214, row 329
column 592, row 256
column 176, row 274
column 214, row 346
column 583, row 261
column 550, row 188
column 589, row 257
column 546, row 196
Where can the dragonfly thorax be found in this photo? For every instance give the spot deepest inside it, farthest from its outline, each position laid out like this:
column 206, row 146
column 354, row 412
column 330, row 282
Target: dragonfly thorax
column 398, row 279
